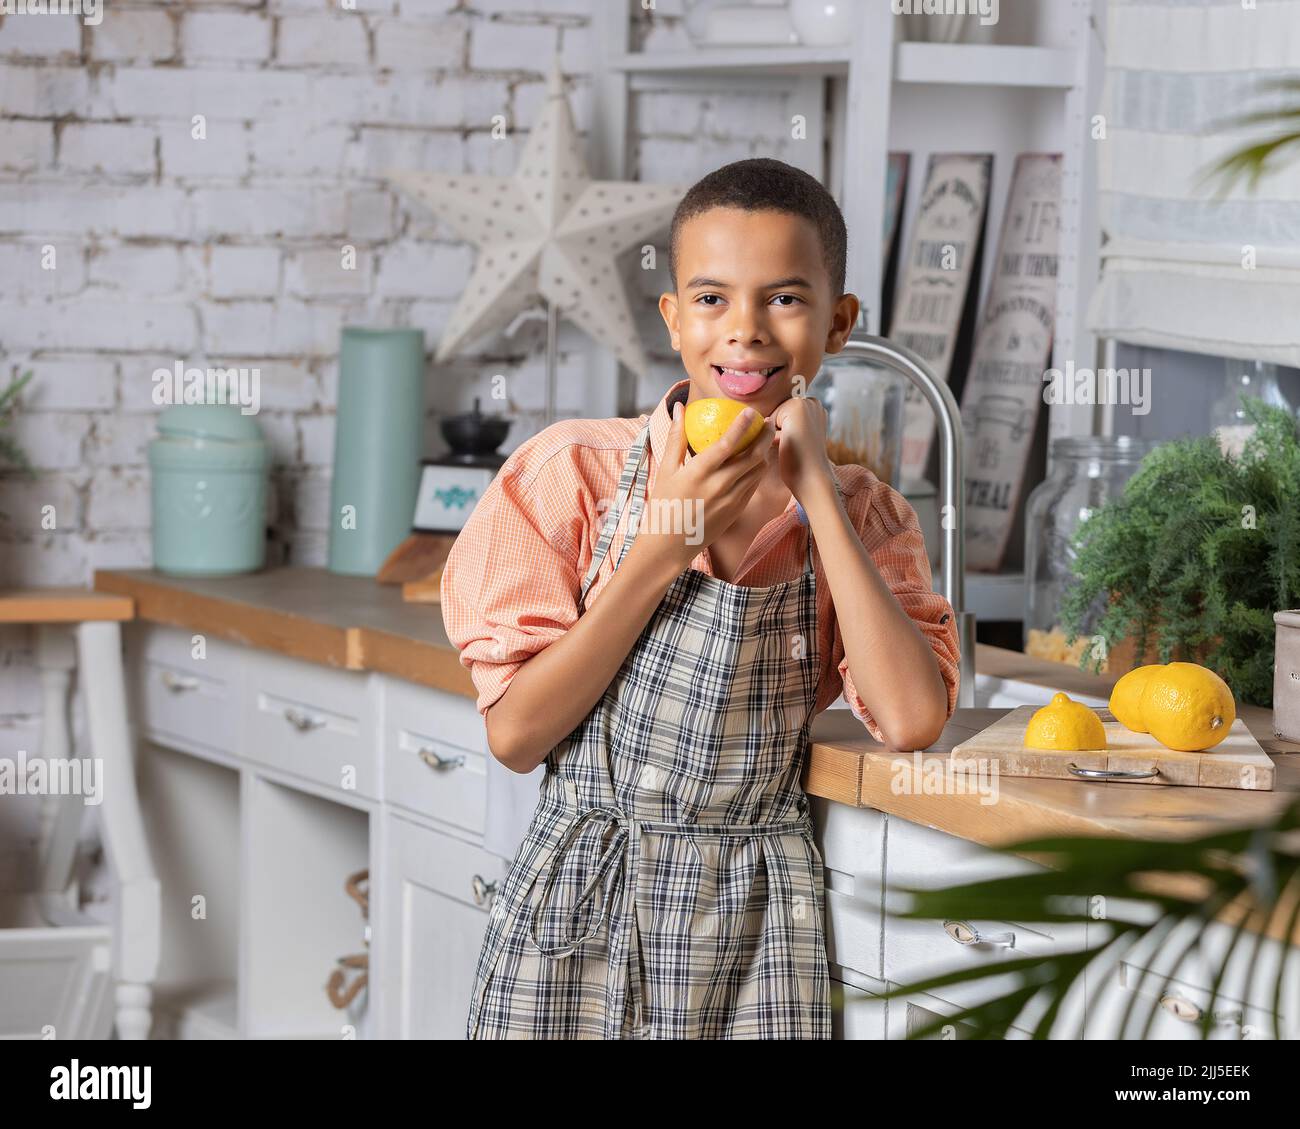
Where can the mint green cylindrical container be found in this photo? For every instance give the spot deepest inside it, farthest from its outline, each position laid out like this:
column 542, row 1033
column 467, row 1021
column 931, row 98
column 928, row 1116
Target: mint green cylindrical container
column 378, row 441
column 209, row 467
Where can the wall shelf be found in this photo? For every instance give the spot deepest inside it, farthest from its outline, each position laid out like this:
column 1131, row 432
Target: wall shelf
column 761, row 61
column 968, row 64
column 986, row 64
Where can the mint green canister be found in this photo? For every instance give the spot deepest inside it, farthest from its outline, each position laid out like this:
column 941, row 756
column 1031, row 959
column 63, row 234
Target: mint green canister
column 209, row 466
column 378, row 444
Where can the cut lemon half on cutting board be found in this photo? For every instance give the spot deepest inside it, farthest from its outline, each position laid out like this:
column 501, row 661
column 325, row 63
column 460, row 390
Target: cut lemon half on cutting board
column 1064, row 724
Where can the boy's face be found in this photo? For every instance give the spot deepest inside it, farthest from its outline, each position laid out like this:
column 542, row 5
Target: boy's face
column 753, row 295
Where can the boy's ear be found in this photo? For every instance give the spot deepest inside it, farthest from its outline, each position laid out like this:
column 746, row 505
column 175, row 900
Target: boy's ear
column 668, row 311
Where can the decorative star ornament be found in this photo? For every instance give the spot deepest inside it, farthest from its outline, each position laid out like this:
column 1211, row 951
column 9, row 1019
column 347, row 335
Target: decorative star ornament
column 550, row 233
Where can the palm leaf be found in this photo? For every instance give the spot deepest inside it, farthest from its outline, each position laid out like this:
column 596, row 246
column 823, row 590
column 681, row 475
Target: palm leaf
column 1258, row 158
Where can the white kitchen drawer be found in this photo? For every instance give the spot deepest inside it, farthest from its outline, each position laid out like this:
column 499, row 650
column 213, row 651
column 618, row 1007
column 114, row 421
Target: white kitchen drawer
column 921, row 857
column 860, row 1013
column 852, row 843
column 312, row 721
column 180, row 696
column 456, row 869
column 435, row 754
column 1242, row 1005
column 1178, row 1007
column 907, row 1015
column 853, row 933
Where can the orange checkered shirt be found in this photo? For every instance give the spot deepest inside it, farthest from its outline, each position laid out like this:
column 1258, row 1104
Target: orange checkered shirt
column 511, row 583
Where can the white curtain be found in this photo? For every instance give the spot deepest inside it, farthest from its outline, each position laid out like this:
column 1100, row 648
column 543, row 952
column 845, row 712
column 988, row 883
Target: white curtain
column 1175, row 264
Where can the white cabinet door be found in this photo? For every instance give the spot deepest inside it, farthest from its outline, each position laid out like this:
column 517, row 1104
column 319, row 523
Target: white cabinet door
column 440, row 891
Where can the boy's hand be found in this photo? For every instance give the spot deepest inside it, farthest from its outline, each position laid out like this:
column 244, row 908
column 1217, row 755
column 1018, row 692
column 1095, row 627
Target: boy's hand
column 801, row 441
column 700, row 499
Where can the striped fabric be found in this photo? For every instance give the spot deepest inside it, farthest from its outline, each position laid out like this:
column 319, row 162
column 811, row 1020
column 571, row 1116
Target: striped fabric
column 1177, row 265
column 669, row 886
column 512, row 582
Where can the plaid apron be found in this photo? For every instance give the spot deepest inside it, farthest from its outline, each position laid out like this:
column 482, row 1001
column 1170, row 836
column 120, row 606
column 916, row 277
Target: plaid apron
column 669, row 885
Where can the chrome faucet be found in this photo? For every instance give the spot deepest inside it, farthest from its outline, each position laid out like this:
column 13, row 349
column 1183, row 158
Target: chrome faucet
column 895, row 357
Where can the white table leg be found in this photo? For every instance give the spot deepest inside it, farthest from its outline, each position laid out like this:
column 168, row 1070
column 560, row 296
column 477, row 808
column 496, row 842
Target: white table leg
column 61, row 815
column 137, row 927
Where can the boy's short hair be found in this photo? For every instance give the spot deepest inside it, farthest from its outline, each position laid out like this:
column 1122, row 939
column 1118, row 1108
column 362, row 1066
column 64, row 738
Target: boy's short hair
column 764, row 184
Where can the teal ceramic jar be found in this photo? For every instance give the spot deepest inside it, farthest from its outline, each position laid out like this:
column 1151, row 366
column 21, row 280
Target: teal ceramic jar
column 209, row 467
column 378, row 444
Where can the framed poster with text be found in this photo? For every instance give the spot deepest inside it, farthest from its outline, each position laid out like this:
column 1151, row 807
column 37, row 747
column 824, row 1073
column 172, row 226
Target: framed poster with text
column 937, row 274
column 1013, row 345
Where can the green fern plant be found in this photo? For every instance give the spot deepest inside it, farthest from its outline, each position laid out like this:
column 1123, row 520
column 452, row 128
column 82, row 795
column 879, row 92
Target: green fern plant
column 10, row 450
column 1250, row 878
column 1195, row 556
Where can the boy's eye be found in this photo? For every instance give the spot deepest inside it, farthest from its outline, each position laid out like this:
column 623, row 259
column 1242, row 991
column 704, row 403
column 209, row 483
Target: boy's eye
column 793, row 297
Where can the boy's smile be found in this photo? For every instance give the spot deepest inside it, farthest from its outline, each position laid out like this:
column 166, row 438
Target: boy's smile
column 753, row 310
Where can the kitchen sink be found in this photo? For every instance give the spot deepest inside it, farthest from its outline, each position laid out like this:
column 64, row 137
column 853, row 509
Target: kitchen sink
column 992, row 692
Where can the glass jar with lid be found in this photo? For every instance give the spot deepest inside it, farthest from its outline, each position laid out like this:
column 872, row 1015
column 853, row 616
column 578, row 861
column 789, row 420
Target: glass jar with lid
column 1228, row 420
column 864, row 411
column 1086, row 472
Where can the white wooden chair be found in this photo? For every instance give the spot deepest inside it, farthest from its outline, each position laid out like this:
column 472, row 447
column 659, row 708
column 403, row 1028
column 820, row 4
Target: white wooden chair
column 64, row 972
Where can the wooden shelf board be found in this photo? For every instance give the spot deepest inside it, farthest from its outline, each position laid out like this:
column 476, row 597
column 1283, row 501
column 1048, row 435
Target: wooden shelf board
column 985, row 64
column 960, row 64
column 774, row 60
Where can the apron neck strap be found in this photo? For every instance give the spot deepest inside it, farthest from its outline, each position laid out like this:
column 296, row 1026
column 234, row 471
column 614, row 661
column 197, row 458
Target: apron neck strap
column 635, row 470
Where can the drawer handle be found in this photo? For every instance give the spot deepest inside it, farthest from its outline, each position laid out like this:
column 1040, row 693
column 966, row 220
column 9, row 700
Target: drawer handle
column 1180, row 1008
column 177, row 683
column 484, row 891
column 964, row 933
column 437, row 761
column 1113, row 773
column 301, row 721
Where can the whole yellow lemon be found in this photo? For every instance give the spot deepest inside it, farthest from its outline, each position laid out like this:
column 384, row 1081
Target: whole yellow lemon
column 1126, row 697
column 1065, row 724
column 706, row 421
column 1187, row 707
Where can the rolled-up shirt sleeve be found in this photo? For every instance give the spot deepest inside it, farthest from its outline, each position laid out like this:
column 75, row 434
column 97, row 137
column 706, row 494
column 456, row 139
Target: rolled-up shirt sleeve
column 892, row 536
column 511, row 582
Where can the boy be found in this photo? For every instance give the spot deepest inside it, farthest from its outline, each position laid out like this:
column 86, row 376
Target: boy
column 669, row 885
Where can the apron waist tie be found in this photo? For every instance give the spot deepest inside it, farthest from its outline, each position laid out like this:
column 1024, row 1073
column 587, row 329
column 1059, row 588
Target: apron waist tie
column 614, row 860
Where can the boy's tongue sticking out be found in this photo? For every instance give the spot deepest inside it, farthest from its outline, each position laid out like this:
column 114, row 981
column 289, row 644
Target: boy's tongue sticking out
column 741, row 382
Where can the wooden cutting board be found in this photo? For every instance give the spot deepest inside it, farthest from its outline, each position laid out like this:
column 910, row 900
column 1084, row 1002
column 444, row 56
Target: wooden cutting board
column 1238, row 761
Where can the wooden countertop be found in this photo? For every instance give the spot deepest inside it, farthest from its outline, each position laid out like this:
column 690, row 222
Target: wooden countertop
column 357, row 624
column 350, row 622
column 850, row 767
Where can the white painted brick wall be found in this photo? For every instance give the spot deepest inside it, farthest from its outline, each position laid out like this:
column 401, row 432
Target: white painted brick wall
column 323, row 40
column 222, row 152
column 225, row 251
column 243, row 272
column 225, row 36
column 142, row 35
column 41, row 37
column 143, row 270
column 108, row 147
column 26, row 146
